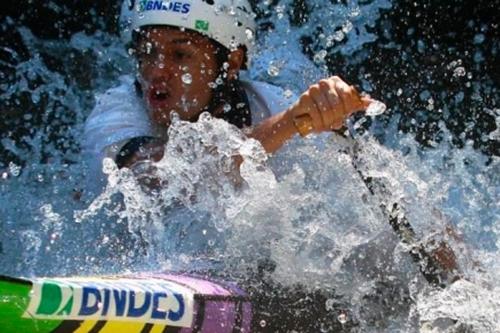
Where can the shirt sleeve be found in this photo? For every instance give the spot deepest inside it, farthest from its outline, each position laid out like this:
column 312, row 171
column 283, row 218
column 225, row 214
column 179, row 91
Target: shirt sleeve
column 117, row 117
column 267, row 100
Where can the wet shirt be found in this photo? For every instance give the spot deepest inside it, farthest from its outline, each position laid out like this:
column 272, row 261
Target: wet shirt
column 120, row 115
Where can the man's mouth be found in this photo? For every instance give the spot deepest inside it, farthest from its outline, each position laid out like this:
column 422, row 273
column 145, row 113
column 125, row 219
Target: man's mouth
column 157, row 97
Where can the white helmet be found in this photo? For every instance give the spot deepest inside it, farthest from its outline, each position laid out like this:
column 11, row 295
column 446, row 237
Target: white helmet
column 229, row 22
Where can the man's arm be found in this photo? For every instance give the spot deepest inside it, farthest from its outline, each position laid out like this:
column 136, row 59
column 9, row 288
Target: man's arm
column 323, row 107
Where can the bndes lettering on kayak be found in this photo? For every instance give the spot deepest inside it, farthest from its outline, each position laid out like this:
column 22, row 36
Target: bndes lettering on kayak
column 145, row 301
column 182, row 7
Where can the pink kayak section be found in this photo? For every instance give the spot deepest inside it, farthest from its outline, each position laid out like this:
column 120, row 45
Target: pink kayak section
column 219, row 307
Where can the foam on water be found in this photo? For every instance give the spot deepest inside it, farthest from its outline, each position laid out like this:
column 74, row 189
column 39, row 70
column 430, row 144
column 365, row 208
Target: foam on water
column 305, row 209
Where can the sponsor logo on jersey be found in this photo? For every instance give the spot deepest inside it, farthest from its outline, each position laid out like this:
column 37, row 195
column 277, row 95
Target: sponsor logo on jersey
column 145, row 301
column 181, row 7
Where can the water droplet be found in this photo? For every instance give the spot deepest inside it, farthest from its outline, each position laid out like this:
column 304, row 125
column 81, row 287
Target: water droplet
column 149, row 48
column 479, row 38
column 273, row 70
column 108, row 166
column 187, row 78
column 342, row 318
column 320, row 56
column 249, row 33
column 288, row 94
column 233, row 45
column 227, row 107
column 280, row 9
column 347, row 27
column 399, row 92
column 14, row 169
column 459, row 72
column 262, row 323
column 375, row 108
column 35, row 97
column 329, row 304
column 356, row 11
column 339, row 36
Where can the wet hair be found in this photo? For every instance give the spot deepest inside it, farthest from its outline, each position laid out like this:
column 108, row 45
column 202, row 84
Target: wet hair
column 229, row 94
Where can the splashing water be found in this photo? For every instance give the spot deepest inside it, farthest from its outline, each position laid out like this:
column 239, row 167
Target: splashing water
column 304, row 209
column 375, row 109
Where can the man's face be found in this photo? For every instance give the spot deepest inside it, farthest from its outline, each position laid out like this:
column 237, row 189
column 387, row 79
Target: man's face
column 176, row 71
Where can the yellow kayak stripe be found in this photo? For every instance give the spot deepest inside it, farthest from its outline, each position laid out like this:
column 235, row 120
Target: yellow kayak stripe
column 86, row 326
column 157, row 329
column 95, row 326
column 122, row 327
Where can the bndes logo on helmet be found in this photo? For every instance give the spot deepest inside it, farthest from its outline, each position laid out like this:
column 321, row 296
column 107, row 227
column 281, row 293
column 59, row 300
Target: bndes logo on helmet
column 145, row 301
column 182, row 7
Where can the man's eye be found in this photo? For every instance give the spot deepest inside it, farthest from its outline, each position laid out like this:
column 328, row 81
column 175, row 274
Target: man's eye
column 180, row 55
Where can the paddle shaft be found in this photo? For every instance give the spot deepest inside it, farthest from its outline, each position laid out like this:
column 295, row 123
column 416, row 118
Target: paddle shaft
column 430, row 267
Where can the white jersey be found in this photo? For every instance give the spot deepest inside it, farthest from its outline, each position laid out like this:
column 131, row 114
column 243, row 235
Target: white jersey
column 120, row 115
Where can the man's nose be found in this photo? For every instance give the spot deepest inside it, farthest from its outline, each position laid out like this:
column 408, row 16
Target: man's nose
column 159, row 69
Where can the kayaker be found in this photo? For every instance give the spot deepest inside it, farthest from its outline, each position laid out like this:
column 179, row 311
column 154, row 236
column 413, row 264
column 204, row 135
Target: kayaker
column 191, row 57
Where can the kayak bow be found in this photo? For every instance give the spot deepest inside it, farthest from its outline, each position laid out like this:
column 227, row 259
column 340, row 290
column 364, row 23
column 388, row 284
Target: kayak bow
column 127, row 304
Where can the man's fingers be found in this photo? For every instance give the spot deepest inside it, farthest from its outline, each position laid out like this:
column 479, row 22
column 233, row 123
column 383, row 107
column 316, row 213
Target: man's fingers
column 329, row 103
column 321, row 105
column 336, row 110
column 348, row 95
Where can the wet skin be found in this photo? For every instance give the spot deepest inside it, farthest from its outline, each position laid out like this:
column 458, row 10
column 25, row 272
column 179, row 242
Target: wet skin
column 164, row 56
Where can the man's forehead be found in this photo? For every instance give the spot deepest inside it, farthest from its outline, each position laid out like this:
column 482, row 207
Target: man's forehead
column 172, row 35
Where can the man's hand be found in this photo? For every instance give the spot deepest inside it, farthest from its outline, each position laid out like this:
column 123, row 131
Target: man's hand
column 326, row 105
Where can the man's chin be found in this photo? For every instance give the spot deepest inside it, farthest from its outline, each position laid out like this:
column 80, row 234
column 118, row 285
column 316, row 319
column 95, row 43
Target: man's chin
column 161, row 117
